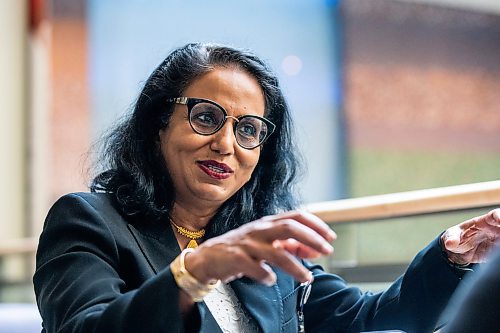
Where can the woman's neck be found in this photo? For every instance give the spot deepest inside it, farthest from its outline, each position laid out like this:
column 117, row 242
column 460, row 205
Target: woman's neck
column 191, row 218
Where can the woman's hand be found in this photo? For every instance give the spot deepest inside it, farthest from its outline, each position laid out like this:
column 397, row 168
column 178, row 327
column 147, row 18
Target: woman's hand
column 472, row 240
column 275, row 239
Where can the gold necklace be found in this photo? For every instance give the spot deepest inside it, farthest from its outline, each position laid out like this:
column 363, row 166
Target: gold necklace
column 192, row 235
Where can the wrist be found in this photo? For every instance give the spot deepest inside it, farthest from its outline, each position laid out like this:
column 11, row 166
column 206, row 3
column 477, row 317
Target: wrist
column 194, row 265
column 187, row 282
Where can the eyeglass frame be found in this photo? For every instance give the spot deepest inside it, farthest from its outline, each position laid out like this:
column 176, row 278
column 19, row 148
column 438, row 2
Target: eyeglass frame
column 190, row 102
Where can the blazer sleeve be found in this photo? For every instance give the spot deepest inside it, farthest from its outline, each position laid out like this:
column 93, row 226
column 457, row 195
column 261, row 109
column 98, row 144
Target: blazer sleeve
column 476, row 306
column 413, row 303
column 77, row 280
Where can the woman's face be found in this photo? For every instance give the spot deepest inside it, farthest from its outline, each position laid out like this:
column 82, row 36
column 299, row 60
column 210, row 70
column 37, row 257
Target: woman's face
column 208, row 170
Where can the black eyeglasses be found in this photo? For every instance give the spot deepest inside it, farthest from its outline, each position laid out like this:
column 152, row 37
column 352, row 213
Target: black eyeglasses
column 207, row 117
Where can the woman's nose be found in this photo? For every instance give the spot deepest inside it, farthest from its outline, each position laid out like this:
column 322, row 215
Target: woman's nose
column 223, row 141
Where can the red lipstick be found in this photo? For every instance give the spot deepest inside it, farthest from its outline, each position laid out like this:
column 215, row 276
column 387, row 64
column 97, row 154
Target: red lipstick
column 215, row 169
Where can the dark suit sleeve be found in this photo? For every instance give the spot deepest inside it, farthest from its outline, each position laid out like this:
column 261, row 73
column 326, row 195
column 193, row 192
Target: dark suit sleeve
column 476, row 306
column 413, row 303
column 77, row 280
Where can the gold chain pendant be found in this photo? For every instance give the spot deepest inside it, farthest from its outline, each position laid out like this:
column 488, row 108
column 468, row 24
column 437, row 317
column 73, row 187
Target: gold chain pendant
column 192, row 235
column 192, row 244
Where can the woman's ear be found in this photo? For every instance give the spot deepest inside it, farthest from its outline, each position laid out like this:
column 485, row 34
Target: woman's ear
column 161, row 132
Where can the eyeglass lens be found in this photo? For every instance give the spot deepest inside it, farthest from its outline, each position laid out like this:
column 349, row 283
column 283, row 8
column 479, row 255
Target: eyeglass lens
column 206, row 119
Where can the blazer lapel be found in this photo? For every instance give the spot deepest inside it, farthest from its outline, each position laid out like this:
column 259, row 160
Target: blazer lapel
column 157, row 243
column 262, row 303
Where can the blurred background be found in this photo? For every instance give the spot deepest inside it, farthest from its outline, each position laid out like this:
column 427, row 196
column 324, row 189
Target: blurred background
column 387, row 96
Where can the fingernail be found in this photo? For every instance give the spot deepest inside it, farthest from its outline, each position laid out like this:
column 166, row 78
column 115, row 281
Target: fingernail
column 229, row 279
column 332, row 235
column 327, row 248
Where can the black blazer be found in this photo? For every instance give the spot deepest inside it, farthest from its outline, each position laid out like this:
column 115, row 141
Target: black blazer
column 100, row 271
column 476, row 306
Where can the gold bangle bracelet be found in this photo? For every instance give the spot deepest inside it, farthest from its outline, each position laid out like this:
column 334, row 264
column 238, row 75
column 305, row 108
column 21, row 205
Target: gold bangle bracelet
column 194, row 288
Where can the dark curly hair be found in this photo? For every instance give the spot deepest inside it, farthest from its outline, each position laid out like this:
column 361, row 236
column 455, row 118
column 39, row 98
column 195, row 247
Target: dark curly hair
column 133, row 169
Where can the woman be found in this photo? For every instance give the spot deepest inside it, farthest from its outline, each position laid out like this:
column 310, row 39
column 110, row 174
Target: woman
column 191, row 227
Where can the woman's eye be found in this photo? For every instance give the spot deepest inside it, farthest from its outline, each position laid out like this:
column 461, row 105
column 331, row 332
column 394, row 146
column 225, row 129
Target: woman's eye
column 206, row 118
column 248, row 130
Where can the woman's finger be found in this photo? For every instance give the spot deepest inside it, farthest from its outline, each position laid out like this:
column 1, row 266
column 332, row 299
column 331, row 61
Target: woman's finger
column 282, row 229
column 309, row 220
column 489, row 222
column 298, row 249
column 221, row 262
column 253, row 269
column 493, row 217
column 275, row 254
